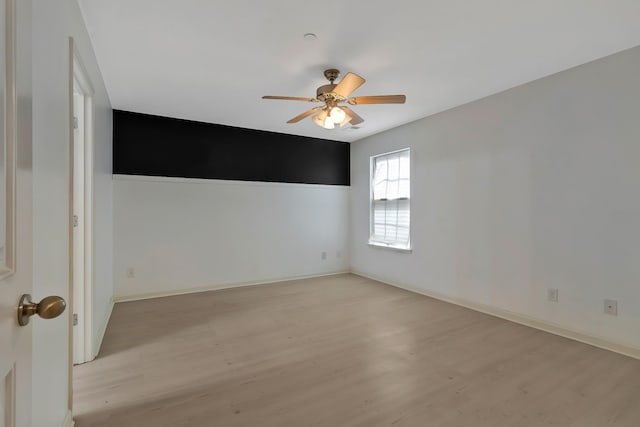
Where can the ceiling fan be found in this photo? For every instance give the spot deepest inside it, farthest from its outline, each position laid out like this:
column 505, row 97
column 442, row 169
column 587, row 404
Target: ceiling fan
column 334, row 96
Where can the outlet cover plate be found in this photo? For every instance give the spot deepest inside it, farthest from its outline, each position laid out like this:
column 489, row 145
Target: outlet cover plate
column 552, row 294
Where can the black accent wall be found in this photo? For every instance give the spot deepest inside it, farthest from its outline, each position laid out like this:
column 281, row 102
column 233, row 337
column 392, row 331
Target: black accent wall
column 144, row 144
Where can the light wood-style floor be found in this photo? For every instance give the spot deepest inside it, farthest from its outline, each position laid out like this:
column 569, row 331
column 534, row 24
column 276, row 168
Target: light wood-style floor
column 343, row 351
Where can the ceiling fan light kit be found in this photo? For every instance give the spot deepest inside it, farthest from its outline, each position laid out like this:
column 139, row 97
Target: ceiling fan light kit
column 332, row 95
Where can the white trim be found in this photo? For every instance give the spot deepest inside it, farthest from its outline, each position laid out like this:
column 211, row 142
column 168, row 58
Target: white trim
column 103, row 329
column 150, row 295
column 89, row 241
column 124, row 177
column 583, row 337
column 79, row 76
column 10, row 100
column 68, row 420
column 82, row 76
column 386, row 153
column 381, row 245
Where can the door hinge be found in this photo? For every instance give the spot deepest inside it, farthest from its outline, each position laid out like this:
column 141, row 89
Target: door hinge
column 75, row 319
column 75, row 122
column 75, row 220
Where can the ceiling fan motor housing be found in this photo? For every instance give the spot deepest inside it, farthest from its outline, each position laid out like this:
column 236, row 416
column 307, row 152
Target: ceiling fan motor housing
column 324, row 93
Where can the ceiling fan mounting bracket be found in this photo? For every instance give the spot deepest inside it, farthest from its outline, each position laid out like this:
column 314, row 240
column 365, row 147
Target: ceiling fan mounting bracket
column 331, row 74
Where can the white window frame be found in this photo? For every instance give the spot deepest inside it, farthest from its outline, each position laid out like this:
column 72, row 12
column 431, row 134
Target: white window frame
column 372, row 241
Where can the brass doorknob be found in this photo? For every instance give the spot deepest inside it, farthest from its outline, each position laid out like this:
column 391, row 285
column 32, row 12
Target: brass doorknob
column 48, row 308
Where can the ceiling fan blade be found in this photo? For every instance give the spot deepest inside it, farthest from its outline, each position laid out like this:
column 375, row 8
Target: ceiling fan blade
column 347, row 119
column 307, row 113
column 290, row 98
column 348, row 84
column 355, row 119
column 379, row 99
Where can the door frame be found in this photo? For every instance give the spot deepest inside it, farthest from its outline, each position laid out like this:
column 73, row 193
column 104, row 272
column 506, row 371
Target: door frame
column 78, row 77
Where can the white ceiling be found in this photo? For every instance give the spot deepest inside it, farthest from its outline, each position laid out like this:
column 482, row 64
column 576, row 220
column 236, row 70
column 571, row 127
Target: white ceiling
column 212, row 61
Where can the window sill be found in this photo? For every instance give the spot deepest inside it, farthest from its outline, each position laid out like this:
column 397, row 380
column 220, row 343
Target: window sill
column 390, row 247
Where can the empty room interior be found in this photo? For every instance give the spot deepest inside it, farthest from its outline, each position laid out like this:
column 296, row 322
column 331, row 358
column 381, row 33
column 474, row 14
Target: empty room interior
column 292, row 213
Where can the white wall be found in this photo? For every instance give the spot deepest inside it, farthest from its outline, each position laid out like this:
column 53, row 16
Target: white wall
column 54, row 22
column 533, row 188
column 184, row 234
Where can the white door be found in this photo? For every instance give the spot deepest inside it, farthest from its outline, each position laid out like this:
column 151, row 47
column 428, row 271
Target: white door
column 15, row 215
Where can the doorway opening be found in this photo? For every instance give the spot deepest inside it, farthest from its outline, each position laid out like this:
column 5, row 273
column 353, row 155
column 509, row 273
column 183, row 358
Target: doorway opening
column 81, row 191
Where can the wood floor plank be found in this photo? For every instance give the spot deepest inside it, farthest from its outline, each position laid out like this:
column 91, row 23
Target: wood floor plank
column 343, row 351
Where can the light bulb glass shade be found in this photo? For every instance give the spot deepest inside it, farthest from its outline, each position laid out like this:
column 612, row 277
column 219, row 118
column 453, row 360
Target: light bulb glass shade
column 328, row 123
column 337, row 114
column 319, row 118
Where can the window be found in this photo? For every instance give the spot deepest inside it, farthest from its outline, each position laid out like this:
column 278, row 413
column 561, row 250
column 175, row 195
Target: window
column 390, row 202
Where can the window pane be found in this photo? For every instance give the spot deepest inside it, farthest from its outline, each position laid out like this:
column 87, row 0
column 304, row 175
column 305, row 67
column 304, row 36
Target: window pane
column 404, row 167
column 403, row 235
column 393, row 168
column 403, row 219
column 380, row 190
column 403, row 190
column 381, row 170
column 392, row 215
column 379, row 231
column 390, row 233
column 392, row 189
column 379, row 179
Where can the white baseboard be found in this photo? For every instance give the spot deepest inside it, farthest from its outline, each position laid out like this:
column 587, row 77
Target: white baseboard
column 68, row 420
column 103, row 329
column 521, row 319
column 137, row 297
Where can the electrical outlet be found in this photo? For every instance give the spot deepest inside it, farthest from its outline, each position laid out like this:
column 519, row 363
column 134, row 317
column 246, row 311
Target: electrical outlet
column 338, row 254
column 323, row 255
column 552, row 294
column 611, row 307
column 131, row 273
